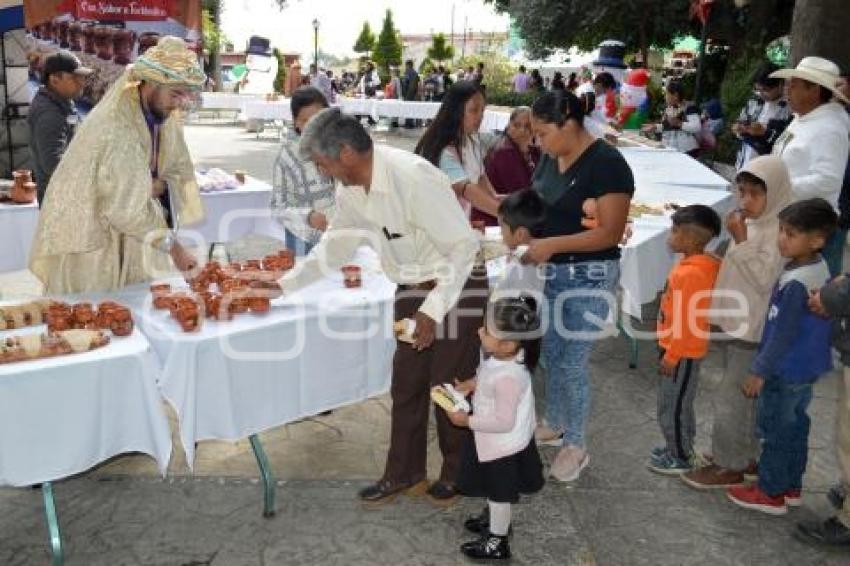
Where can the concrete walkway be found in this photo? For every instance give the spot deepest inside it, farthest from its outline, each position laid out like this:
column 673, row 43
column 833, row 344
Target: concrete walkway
column 122, row 513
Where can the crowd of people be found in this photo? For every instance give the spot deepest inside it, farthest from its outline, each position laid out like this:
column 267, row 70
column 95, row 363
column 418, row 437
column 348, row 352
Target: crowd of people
column 773, row 303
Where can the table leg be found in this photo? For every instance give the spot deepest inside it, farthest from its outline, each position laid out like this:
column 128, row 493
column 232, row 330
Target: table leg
column 265, row 475
column 633, row 346
column 52, row 524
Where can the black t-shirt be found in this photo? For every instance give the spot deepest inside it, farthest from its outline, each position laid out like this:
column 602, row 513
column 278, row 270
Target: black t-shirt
column 600, row 170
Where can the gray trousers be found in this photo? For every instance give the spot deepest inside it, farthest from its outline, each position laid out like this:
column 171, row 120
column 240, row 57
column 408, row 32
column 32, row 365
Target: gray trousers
column 733, row 438
column 676, row 416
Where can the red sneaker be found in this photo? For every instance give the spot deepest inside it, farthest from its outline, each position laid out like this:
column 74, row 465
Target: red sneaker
column 793, row 498
column 752, row 497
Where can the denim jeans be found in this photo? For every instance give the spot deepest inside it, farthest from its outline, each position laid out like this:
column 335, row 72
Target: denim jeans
column 574, row 292
column 296, row 244
column 833, row 252
column 783, row 426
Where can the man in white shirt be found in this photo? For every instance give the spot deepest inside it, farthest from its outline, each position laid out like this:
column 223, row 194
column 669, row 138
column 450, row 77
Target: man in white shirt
column 405, row 208
column 815, row 145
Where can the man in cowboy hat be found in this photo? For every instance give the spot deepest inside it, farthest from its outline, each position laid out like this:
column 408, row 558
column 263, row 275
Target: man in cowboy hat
column 104, row 221
column 816, row 143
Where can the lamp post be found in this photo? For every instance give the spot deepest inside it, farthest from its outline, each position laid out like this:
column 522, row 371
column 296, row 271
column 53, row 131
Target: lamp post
column 316, row 43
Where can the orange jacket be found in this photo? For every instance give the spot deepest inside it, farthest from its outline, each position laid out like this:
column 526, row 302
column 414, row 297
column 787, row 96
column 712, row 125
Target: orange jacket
column 683, row 317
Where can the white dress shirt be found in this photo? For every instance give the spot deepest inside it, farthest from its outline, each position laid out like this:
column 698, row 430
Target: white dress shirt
column 411, row 217
column 814, row 148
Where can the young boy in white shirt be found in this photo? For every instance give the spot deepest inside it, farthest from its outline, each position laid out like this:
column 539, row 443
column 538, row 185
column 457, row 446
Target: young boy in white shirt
column 521, row 217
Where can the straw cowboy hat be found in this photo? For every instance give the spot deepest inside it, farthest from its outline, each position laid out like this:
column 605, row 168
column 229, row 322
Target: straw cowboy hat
column 816, row 70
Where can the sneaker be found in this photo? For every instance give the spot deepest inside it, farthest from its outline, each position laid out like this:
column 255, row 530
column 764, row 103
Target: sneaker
column 793, row 498
column 836, row 496
column 488, row 547
column 712, row 476
column 569, row 463
column 547, row 436
column 831, row 532
column 668, row 465
column 752, row 497
column 751, row 472
column 658, row 452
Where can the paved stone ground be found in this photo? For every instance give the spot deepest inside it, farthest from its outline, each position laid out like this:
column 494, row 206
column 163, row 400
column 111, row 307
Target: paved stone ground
column 122, row 513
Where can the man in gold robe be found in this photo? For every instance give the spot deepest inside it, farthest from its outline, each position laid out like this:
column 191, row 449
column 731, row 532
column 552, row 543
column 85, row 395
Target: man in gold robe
column 124, row 179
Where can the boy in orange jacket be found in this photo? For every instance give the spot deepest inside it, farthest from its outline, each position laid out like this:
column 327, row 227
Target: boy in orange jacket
column 683, row 334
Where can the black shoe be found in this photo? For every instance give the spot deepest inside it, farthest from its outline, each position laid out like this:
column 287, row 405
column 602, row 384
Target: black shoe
column 488, row 547
column 478, row 524
column 831, row 532
column 385, row 491
column 443, row 494
column 836, row 496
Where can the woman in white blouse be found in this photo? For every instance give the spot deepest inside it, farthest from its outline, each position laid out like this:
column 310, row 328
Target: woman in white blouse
column 453, row 143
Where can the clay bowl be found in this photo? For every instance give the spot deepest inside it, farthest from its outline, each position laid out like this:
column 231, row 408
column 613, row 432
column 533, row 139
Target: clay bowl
column 83, row 313
column 124, row 328
column 259, row 304
column 352, row 276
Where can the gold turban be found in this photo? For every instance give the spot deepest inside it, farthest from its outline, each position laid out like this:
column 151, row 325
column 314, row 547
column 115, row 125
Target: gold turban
column 169, row 63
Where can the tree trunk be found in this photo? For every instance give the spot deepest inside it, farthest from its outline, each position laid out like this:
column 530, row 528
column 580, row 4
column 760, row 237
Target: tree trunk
column 215, row 51
column 818, row 29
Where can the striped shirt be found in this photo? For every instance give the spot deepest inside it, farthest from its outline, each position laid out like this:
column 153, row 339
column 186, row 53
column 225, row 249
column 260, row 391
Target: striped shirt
column 299, row 189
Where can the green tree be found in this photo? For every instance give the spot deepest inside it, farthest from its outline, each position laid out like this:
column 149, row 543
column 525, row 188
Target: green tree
column 280, row 78
column 365, row 41
column 388, row 48
column 214, row 38
column 439, row 50
column 548, row 24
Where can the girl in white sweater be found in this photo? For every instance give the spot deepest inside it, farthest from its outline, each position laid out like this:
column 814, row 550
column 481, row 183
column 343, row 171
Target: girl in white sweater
column 503, row 460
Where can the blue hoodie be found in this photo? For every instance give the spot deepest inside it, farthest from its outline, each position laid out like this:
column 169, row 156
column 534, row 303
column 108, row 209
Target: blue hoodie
column 795, row 346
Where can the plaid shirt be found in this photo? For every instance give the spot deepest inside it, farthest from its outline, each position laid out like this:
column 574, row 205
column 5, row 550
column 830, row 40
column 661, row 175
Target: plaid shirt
column 299, row 189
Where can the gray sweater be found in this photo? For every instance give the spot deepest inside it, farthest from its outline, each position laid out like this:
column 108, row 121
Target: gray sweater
column 835, row 297
column 52, row 121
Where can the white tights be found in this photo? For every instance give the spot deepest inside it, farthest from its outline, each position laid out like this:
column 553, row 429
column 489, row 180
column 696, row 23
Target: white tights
column 500, row 517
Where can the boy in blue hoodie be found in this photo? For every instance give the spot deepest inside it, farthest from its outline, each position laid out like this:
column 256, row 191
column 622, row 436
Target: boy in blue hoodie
column 794, row 352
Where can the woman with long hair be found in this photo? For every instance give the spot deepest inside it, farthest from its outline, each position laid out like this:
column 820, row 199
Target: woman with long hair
column 452, row 143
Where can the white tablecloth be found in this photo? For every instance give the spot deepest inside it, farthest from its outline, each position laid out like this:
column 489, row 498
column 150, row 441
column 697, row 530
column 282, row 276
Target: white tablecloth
column 231, row 214
column 227, row 100
column 651, row 166
column 396, row 109
column 61, row 416
column 256, row 372
column 17, row 228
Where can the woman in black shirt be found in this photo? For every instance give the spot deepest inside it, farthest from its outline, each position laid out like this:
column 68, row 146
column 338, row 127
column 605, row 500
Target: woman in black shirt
column 583, row 259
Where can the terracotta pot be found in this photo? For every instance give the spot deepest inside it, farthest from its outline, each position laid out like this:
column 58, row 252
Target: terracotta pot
column 252, row 264
column 83, row 313
column 147, row 40
column 260, row 304
column 56, row 323
column 160, row 288
column 122, row 328
column 75, row 36
column 103, row 42
column 123, row 41
column 23, row 193
column 22, row 176
column 352, row 276
column 88, row 39
column 162, row 301
column 104, row 318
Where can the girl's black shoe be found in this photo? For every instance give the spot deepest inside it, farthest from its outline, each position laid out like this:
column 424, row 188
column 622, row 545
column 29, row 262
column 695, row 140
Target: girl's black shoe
column 488, row 547
column 479, row 524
